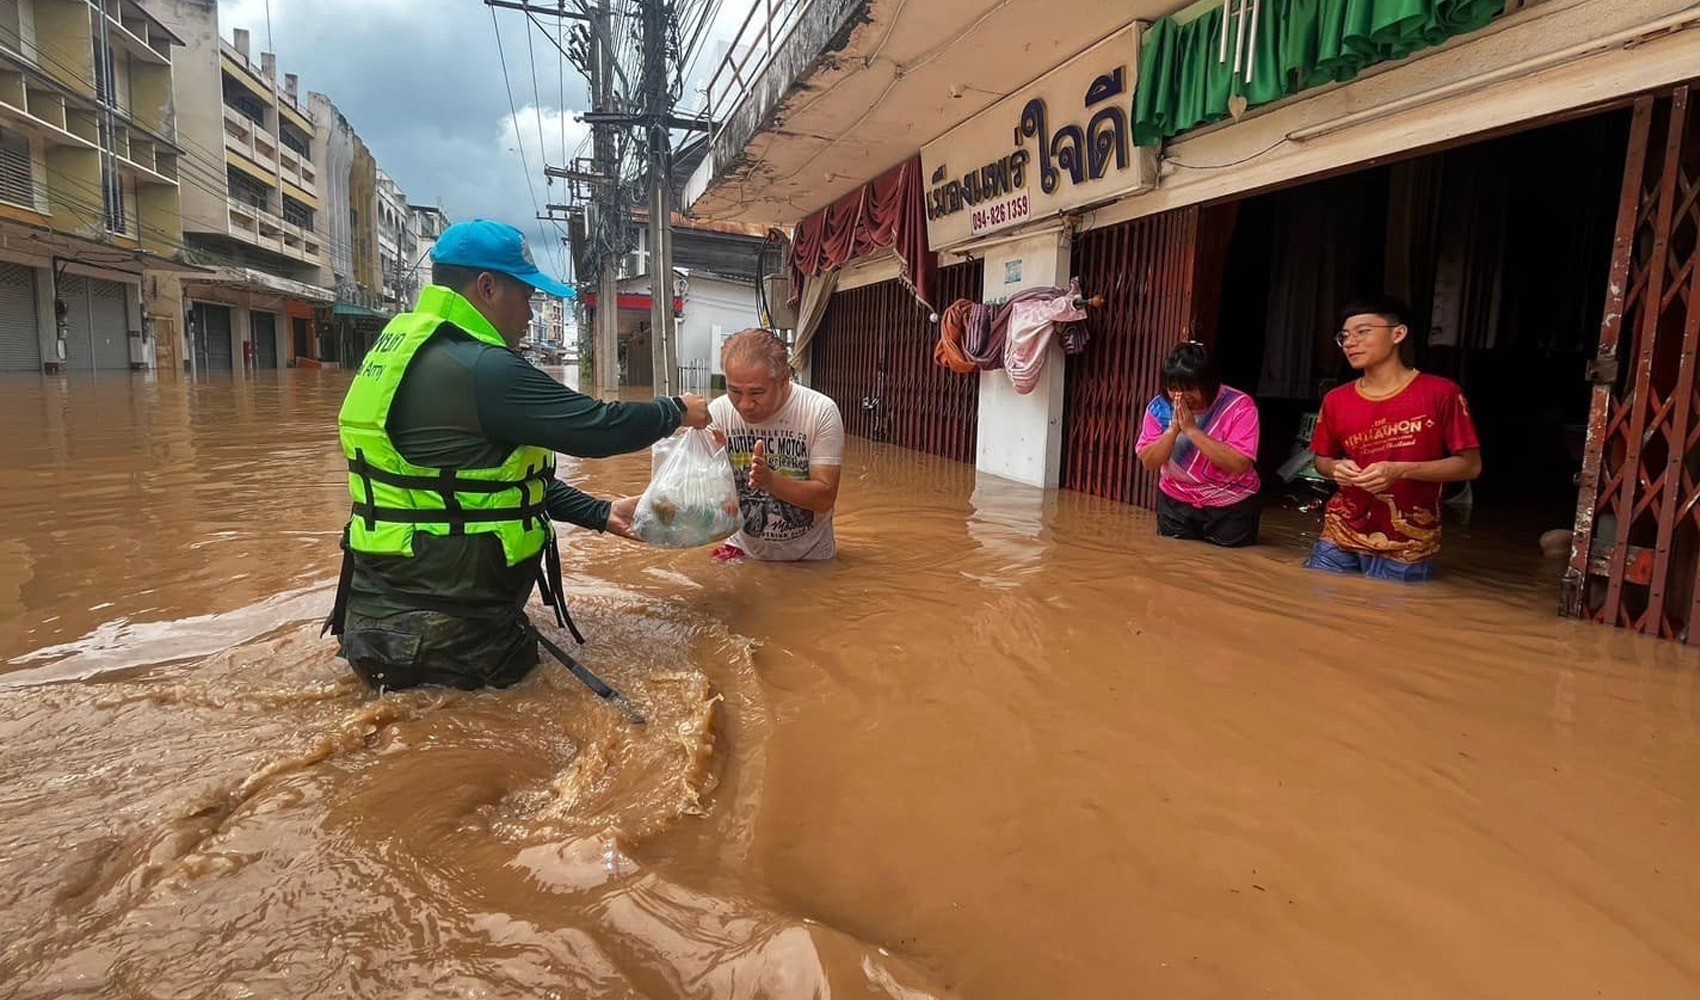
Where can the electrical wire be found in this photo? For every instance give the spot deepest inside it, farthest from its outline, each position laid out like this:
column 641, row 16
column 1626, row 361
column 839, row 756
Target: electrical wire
column 507, row 83
column 557, row 256
column 191, row 171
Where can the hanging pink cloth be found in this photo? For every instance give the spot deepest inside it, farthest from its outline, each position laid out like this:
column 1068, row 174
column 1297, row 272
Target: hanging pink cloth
column 1032, row 323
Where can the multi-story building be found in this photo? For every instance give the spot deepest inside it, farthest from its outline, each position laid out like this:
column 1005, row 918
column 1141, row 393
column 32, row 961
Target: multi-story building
column 250, row 214
column 395, row 244
column 349, row 228
column 548, row 325
column 89, row 185
column 427, row 225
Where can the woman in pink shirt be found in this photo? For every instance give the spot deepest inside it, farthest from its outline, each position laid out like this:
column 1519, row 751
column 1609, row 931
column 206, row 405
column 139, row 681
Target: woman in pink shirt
column 1200, row 437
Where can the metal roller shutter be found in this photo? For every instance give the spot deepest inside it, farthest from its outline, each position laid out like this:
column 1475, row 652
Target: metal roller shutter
column 212, row 338
column 111, row 324
column 97, row 337
column 264, row 333
column 20, row 338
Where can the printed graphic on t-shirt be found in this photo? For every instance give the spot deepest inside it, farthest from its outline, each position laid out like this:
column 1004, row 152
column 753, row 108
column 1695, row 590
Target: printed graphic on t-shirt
column 766, row 516
column 1389, row 435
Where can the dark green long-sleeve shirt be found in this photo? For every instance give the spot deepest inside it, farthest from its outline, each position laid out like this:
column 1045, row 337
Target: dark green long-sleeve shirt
column 466, row 404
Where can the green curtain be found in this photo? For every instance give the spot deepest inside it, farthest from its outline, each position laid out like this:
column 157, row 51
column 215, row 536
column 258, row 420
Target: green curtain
column 1300, row 44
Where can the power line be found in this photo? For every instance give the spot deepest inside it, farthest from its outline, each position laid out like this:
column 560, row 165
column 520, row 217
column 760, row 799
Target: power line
column 507, row 84
column 556, row 256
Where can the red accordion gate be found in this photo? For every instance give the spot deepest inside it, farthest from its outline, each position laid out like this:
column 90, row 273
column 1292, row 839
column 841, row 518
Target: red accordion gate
column 1153, row 274
column 1636, row 551
column 874, row 355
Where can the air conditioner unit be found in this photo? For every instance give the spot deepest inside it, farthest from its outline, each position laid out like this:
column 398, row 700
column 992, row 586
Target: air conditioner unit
column 781, row 314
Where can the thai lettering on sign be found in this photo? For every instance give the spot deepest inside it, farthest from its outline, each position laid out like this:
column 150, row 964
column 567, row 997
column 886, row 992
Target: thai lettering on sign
column 1057, row 145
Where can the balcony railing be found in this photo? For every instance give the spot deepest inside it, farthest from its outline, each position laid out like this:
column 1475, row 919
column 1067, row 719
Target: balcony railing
column 297, row 170
column 242, row 135
column 764, row 30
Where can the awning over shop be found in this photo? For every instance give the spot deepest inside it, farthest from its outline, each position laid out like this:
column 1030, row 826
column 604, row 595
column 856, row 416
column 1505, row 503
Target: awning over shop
column 246, row 279
column 357, row 312
column 29, row 237
column 1184, row 81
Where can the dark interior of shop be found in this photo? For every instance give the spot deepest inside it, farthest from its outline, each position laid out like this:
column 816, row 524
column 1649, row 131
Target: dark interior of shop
column 1501, row 247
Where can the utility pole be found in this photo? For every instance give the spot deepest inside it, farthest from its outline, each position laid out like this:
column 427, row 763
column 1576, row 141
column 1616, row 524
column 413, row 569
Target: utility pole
column 658, row 103
column 608, row 202
column 647, row 108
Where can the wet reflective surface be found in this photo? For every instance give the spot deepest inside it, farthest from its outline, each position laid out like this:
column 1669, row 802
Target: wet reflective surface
column 1010, row 745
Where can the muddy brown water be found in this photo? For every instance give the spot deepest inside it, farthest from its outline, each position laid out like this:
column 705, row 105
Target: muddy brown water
column 1008, row 746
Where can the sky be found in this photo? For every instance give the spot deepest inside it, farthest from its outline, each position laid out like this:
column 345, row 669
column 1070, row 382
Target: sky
column 421, row 81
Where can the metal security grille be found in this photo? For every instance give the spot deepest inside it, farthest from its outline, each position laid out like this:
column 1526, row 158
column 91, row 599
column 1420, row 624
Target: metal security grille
column 1144, row 270
column 211, row 326
column 20, row 337
column 264, row 332
column 1636, row 550
column 97, row 338
column 874, row 356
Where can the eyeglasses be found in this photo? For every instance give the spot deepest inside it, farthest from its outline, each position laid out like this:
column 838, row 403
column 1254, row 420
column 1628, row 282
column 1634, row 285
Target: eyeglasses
column 1362, row 333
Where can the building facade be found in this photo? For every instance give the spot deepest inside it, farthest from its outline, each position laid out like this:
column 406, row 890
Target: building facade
column 396, row 250
column 1234, row 173
column 548, row 335
column 715, row 294
column 90, row 189
column 253, row 217
column 426, row 224
column 349, row 228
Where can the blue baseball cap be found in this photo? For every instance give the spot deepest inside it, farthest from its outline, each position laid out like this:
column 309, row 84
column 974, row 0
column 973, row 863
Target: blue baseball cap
column 496, row 247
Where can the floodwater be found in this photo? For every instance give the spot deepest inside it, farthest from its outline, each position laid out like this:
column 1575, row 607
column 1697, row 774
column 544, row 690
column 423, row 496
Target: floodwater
column 1009, row 746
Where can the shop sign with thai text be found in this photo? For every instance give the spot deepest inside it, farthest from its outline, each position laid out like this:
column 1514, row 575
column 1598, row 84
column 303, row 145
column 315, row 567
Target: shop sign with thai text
column 1058, row 144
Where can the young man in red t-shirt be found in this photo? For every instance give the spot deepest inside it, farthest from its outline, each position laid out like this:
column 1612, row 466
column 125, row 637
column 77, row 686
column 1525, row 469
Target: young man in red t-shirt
column 1391, row 439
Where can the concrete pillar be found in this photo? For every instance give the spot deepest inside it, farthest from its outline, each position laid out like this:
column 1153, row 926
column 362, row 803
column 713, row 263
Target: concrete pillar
column 46, row 321
column 141, row 351
column 1020, row 437
column 240, row 332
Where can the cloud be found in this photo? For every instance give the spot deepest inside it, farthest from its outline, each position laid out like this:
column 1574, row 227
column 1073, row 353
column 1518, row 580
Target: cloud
column 421, row 81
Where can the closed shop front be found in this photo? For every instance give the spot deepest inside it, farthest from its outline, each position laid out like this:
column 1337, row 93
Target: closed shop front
column 1157, row 276
column 97, row 335
column 264, row 332
column 20, row 340
column 211, row 325
column 303, row 330
column 874, row 356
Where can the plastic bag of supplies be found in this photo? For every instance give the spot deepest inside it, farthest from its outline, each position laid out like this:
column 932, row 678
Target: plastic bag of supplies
column 692, row 499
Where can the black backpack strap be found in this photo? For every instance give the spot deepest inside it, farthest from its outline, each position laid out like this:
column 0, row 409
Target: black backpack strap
column 339, row 607
column 553, row 591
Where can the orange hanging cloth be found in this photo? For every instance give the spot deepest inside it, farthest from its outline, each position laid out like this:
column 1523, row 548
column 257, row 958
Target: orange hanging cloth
column 947, row 353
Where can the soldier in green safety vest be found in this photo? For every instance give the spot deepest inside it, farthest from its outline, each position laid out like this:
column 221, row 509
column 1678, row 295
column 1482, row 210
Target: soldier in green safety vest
column 451, row 439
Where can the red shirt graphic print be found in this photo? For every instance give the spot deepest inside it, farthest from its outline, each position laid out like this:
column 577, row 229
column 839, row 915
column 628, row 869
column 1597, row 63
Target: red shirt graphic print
column 1426, row 421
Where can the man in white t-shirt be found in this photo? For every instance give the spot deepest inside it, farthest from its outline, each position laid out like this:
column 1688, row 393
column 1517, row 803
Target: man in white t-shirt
column 787, row 446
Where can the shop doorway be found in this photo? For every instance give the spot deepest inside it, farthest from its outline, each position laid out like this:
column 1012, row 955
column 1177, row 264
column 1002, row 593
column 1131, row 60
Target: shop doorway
column 1501, row 248
column 263, row 329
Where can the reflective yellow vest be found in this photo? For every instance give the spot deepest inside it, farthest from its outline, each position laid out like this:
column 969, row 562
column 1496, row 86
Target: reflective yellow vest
column 393, row 498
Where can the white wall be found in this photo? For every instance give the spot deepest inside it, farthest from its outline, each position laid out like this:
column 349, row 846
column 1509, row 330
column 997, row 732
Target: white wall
column 709, row 303
column 1020, row 437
